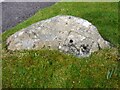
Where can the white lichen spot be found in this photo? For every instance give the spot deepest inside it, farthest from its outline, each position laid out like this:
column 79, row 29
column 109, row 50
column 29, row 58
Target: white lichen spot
column 79, row 21
column 20, row 33
column 82, row 38
column 35, row 40
column 86, row 24
column 59, row 47
column 39, row 28
column 35, row 36
column 19, row 44
column 71, row 36
column 15, row 36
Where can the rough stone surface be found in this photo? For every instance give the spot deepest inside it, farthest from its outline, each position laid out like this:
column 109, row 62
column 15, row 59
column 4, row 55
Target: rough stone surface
column 68, row 34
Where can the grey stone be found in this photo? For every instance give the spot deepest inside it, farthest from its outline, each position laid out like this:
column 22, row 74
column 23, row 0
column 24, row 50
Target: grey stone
column 66, row 33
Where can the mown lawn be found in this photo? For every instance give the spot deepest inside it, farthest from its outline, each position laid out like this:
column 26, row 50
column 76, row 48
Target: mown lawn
column 52, row 69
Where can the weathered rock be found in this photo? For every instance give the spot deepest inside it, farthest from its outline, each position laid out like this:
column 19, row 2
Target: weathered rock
column 68, row 34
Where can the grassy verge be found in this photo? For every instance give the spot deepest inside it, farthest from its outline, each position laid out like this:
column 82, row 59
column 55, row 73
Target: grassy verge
column 52, row 69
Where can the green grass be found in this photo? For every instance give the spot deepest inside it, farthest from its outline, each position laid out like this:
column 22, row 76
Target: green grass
column 52, row 69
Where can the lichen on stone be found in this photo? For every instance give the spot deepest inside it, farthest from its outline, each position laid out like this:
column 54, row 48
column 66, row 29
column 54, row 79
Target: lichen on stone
column 66, row 33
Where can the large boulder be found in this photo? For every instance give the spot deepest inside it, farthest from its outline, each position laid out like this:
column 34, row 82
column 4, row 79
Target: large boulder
column 68, row 34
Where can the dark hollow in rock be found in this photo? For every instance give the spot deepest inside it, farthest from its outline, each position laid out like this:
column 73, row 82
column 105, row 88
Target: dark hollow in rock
column 69, row 17
column 71, row 41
